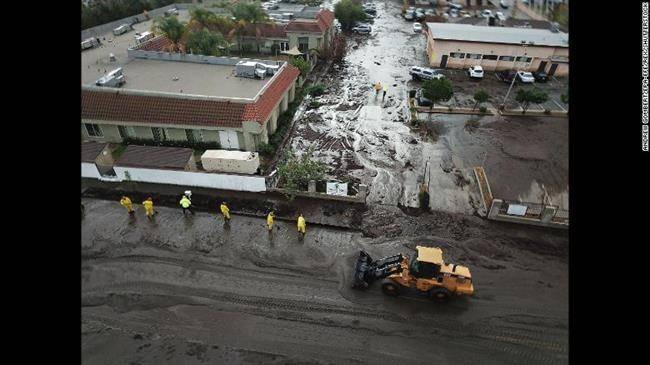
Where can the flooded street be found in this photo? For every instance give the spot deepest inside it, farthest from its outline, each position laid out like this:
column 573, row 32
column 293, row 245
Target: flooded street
column 355, row 131
column 187, row 290
column 371, row 141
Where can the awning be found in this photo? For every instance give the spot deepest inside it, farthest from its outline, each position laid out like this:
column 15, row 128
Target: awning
column 293, row 52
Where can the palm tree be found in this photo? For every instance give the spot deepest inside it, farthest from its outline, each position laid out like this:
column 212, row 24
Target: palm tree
column 173, row 29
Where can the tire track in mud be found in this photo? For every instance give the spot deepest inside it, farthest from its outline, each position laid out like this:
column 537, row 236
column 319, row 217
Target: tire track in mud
column 523, row 343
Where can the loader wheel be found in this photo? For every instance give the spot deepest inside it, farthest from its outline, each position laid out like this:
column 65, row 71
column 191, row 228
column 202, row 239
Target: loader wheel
column 390, row 288
column 440, row 294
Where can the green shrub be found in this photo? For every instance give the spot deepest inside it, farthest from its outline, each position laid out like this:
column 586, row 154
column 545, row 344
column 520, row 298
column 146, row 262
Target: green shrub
column 266, row 149
column 314, row 104
column 482, row 109
column 316, row 90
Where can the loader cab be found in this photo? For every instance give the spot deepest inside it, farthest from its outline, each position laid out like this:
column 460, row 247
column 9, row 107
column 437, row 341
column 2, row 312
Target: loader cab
column 426, row 262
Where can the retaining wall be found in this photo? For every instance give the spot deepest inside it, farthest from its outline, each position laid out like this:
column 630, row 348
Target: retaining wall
column 89, row 170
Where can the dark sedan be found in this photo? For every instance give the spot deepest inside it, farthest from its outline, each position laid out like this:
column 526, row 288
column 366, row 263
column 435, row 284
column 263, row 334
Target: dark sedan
column 540, row 76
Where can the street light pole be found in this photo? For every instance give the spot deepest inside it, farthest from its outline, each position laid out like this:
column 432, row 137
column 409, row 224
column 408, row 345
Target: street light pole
column 503, row 105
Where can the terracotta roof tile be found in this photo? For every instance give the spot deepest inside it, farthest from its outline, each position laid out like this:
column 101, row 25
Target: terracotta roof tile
column 324, row 20
column 266, row 30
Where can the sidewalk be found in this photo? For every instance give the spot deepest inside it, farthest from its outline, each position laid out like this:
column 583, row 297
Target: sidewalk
column 316, row 211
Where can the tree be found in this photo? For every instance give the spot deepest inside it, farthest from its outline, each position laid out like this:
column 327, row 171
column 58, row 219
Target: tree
column 171, row 28
column 205, row 42
column 480, row 96
column 202, row 17
column 246, row 14
column 526, row 96
column 348, row 13
column 437, row 90
column 336, row 50
column 295, row 172
column 301, row 65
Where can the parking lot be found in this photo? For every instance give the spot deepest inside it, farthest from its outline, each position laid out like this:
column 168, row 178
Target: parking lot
column 464, row 89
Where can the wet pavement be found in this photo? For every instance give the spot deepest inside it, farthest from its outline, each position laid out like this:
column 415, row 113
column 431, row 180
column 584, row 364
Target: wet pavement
column 189, row 290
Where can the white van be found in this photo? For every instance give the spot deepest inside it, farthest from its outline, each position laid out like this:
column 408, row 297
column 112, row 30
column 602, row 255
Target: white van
column 121, row 29
column 89, row 43
column 143, row 37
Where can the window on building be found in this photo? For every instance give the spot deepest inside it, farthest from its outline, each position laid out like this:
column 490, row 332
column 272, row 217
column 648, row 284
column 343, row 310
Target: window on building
column 506, row 58
column 94, row 130
column 126, row 132
column 194, row 135
column 474, row 56
column 524, row 59
column 303, row 44
column 456, row 55
column 159, row 134
column 318, row 42
column 284, row 46
column 490, row 57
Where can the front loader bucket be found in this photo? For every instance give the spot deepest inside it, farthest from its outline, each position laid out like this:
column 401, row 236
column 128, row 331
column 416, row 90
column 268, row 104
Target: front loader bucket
column 360, row 269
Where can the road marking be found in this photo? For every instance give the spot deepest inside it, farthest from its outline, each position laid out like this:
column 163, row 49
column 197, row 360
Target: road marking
column 558, row 104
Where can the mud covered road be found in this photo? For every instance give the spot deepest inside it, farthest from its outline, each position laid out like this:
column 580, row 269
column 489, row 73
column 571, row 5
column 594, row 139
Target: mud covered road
column 189, row 291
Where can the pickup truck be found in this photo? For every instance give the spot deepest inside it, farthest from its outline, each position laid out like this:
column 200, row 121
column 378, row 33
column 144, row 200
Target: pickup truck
column 424, row 73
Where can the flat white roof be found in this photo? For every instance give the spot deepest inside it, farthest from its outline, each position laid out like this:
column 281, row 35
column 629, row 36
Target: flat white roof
column 487, row 34
column 229, row 155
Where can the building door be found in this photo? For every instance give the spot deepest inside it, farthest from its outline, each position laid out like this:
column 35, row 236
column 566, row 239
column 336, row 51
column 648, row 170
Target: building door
column 551, row 71
column 443, row 62
column 229, row 140
column 542, row 66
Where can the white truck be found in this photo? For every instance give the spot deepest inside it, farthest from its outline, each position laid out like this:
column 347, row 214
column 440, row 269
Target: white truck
column 89, row 43
column 143, row 37
column 121, row 29
column 114, row 78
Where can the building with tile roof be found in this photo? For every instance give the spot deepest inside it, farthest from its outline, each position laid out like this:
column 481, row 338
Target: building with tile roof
column 184, row 97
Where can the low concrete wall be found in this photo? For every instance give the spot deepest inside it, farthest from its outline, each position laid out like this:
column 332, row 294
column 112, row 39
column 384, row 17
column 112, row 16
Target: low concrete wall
column 359, row 198
column 108, row 27
column 190, row 178
column 89, row 170
column 545, row 219
column 195, row 58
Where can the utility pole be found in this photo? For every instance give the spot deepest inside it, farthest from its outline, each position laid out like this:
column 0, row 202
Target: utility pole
column 503, row 105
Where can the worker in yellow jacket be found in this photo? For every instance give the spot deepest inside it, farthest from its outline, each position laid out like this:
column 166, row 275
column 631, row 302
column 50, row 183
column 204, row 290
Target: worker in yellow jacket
column 302, row 227
column 225, row 211
column 269, row 221
column 128, row 204
column 148, row 207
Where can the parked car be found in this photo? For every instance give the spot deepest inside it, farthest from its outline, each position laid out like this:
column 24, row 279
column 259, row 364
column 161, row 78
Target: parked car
column 430, row 12
column 475, row 72
column 540, row 76
column 425, row 73
column 370, row 11
column 455, row 6
column 525, row 77
column 419, row 15
column 270, row 6
column 453, row 13
column 409, row 15
column 504, row 4
column 417, row 27
column 499, row 15
column 486, row 13
column 422, row 101
column 172, row 11
column 506, row 76
column 362, row 28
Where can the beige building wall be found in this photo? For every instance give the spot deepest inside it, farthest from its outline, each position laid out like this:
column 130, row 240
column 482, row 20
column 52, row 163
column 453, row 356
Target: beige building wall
column 551, row 55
